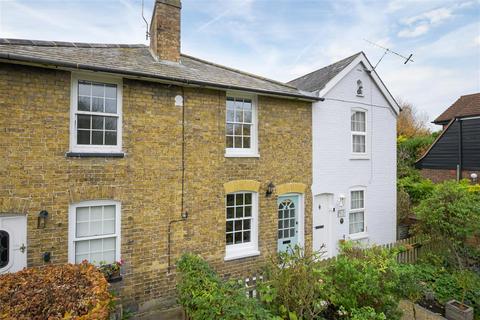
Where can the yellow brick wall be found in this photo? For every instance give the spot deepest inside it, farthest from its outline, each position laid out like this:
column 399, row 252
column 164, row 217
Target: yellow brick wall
column 35, row 174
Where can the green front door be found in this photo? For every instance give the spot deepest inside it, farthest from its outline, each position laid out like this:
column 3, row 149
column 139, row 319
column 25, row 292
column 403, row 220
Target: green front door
column 287, row 222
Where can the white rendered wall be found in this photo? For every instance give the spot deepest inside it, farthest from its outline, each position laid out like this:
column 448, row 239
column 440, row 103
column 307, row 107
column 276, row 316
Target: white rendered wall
column 335, row 169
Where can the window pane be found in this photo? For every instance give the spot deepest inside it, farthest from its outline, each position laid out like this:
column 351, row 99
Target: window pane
column 248, row 211
column 230, row 199
column 83, row 214
column 246, row 236
column 97, row 137
column 356, row 222
column 248, row 198
column 83, row 137
column 109, row 244
column 246, row 142
column 229, row 226
column 96, row 228
column 358, row 121
column 110, row 105
column 230, row 115
column 229, row 142
column 246, row 224
column 97, row 122
column 229, row 238
column 239, row 199
column 84, row 88
column 84, row 103
column 111, row 91
column 238, row 212
column 83, row 229
column 96, row 213
column 111, row 138
column 97, row 104
column 237, row 129
column 237, row 142
column 229, row 129
column 109, row 212
column 238, row 237
column 108, row 227
column 98, row 90
column 110, row 123
column 246, row 129
column 83, row 122
column 230, row 212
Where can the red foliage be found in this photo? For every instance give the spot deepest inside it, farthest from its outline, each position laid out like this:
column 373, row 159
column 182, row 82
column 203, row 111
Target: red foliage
column 55, row 292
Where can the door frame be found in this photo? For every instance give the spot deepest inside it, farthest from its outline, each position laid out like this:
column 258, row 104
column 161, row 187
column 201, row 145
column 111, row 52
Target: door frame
column 328, row 224
column 300, row 217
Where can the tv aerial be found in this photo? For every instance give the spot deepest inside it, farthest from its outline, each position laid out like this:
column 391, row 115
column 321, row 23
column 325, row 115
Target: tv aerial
column 387, row 51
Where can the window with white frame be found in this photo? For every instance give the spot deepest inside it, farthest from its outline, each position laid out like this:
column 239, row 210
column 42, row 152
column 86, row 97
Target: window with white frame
column 357, row 211
column 241, row 131
column 359, row 131
column 96, row 114
column 241, row 224
column 94, row 232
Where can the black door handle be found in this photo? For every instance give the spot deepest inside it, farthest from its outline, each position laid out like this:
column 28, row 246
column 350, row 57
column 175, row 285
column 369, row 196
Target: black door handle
column 319, row 227
column 286, row 241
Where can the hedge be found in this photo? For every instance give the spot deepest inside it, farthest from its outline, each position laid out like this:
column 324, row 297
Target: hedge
column 55, row 292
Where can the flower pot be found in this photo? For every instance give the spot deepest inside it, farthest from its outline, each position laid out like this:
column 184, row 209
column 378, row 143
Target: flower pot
column 455, row 310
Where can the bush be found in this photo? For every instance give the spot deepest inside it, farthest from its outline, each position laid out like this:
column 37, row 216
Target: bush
column 294, row 285
column 204, row 296
column 417, row 187
column 451, row 214
column 404, row 205
column 55, row 292
column 409, row 150
column 364, row 278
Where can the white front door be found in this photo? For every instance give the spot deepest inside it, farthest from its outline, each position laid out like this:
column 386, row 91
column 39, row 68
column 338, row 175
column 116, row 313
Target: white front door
column 322, row 224
column 13, row 243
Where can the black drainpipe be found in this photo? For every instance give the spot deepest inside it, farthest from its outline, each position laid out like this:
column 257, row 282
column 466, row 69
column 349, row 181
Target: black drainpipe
column 184, row 213
column 460, row 150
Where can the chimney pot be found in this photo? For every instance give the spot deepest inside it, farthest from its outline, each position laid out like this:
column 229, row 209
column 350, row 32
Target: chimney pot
column 165, row 30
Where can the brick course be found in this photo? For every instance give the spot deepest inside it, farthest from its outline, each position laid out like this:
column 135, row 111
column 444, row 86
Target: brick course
column 35, row 175
column 440, row 175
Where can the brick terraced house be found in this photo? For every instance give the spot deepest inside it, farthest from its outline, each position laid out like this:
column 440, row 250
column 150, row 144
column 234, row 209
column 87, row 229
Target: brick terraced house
column 141, row 153
column 104, row 148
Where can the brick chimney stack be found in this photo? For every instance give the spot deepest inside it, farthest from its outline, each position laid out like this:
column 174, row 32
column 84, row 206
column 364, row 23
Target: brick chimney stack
column 165, row 30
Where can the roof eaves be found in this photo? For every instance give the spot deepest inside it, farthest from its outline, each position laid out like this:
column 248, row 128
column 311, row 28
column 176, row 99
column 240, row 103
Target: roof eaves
column 72, row 65
column 434, row 142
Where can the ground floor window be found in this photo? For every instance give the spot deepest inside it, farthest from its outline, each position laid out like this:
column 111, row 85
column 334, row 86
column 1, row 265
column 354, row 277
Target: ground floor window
column 241, row 223
column 94, row 232
column 357, row 211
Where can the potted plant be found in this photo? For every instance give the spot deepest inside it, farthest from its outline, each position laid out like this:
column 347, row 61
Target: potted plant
column 111, row 271
column 456, row 310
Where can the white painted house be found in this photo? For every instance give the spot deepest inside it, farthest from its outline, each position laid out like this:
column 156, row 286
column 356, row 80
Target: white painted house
column 354, row 154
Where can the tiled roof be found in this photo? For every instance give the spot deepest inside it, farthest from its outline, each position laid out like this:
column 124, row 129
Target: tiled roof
column 317, row 80
column 467, row 105
column 137, row 61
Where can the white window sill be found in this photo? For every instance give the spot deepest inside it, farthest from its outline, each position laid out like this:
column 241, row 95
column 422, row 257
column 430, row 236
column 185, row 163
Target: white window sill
column 241, row 254
column 358, row 236
column 242, row 155
column 354, row 156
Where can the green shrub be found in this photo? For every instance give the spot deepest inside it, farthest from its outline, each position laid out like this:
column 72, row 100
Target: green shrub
column 451, row 213
column 364, row 278
column 409, row 150
column 417, row 187
column 204, row 296
column 404, row 205
column 366, row 313
column 295, row 285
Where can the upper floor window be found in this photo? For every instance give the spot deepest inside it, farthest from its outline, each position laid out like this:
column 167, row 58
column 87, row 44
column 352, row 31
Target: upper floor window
column 241, row 224
column 94, row 232
column 357, row 211
column 241, row 128
column 96, row 114
column 359, row 131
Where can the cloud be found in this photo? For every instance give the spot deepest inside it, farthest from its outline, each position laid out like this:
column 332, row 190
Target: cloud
column 420, row 24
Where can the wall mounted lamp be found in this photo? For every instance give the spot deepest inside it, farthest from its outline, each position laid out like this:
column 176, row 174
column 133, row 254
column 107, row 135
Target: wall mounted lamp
column 42, row 219
column 474, row 177
column 270, row 189
column 341, row 200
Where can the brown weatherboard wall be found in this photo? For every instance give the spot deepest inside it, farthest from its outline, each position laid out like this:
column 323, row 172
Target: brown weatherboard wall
column 440, row 175
column 35, row 174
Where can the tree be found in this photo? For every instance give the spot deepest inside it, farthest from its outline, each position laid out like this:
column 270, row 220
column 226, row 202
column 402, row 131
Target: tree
column 411, row 122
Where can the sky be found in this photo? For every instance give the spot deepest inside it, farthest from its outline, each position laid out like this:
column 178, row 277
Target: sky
column 284, row 39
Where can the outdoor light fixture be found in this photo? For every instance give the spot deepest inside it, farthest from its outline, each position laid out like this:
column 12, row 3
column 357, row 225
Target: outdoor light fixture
column 474, row 177
column 42, row 219
column 270, row 189
column 341, row 200
column 185, row 215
